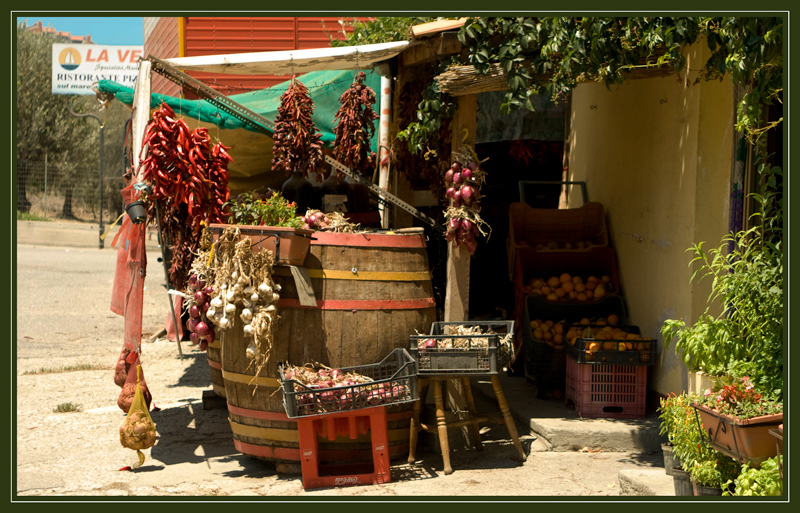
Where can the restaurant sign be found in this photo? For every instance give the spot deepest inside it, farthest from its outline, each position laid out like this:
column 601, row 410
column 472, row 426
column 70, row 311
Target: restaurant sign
column 76, row 67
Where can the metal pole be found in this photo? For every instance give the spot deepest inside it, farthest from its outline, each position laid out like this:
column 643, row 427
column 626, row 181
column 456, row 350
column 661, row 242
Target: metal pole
column 99, row 121
column 45, row 186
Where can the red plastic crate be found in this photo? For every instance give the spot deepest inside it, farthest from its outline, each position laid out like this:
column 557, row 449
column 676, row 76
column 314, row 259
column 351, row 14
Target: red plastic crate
column 607, row 391
column 330, row 426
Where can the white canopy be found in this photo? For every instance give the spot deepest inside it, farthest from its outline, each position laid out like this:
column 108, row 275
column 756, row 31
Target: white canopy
column 286, row 62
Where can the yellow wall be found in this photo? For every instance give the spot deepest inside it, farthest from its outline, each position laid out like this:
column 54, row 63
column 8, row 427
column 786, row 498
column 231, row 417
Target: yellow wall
column 657, row 153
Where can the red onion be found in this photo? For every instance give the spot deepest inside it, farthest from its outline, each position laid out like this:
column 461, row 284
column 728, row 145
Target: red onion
column 323, row 373
column 450, row 192
column 336, row 373
column 448, row 176
column 200, row 284
column 210, row 336
column 457, row 196
column 191, row 325
column 200, row 297
column 288, row 374
column 456, row 166
column 466, row 224
column 195, row 338
column 472, row 165
column 450, row 235
column 203, row 345
column 193, row 281
column 194, row 312
column 209, row 290
column 204, row 307
column 467, row 193
column 472, row 245
column 457, row 202
column 201, row 329
column 467, row 174
column 455, row 223
column 457, row 178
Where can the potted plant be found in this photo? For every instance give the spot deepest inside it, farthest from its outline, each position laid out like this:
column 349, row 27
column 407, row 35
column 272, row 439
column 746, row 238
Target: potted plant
column 271, row 222
column 763, row 481
column 737, row 419
column 679, row 423
column 712, row 472
column 746, row 338
column 669, row 411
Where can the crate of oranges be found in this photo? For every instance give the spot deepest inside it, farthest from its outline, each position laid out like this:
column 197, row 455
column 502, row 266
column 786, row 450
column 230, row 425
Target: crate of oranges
column 603, row 341
column 566, row 287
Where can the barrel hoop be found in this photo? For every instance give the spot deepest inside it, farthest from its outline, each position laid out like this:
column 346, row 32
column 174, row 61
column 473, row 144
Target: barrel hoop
column 368, row 240
column 215, row 365
column 376, row 304
column 292, row 435
column 215, row 344
column 218, row 389
column 281, row 416
column 332, row 274
column 291, row 454
column 247, row 379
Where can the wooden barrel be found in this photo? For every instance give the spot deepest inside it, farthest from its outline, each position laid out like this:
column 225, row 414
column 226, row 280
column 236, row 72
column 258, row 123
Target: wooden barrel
column 215, row 364
column 372, row 292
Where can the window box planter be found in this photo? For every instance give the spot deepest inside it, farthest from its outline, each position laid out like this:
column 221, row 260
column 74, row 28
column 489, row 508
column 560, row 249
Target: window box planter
column 746, row 440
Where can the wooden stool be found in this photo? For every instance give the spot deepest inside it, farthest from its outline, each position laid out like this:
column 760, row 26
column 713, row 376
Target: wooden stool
column 472, row 422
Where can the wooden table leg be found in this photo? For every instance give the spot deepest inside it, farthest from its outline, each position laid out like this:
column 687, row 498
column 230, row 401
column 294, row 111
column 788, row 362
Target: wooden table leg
column 415, row 427
column 442, row 425
column 473, row 413
column 512, row 429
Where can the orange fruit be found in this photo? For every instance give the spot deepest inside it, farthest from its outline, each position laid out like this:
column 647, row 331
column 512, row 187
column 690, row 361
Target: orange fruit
column 591, row 278
column 538, row 283
column 558, row 339
column 560, row 292
column 585, row 321
column 629, row 346
column 610, row 346
column 572, row 295
column 564, row 278
column 577, row 279
column 591, row 285
column 538, row 334
column 581, row 296
column 552, row 297
column 545, row 290
column 593, row 346
column 589, row 295
column 554, row 282
column 549, row 323
column 622, row 346
column 534, row 324
column 544, row 327
column 602, row 335
column 606, row 278
column 558, row 328
column 568, row 286
column 580, row 287
column 548, row 335
column 599, row 292
column 601, row 322
column 613, row 319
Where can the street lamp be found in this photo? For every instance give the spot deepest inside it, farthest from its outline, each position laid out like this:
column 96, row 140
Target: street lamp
column 101, row 161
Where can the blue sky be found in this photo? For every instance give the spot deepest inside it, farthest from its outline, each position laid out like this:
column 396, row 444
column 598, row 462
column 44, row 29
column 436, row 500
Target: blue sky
column 104, row 30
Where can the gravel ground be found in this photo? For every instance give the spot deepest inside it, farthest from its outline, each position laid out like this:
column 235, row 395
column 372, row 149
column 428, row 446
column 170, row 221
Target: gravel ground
column 78, row 454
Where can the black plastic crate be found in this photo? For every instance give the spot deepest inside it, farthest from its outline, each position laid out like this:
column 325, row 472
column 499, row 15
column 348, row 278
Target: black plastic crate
column 465, row 355
column 544, row 363
column 393, row 382
column 636, row 352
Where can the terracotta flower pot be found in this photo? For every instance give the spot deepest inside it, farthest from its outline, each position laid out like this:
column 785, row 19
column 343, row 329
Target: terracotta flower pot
column 746, row 440
column 294, row 242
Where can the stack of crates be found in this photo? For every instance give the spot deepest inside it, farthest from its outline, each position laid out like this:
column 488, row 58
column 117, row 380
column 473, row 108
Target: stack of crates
column 550, row 242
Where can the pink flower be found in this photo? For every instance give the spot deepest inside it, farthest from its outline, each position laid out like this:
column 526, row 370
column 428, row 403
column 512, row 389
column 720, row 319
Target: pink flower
column 708, row 392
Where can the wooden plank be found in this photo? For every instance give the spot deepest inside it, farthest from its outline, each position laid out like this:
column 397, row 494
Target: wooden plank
column 432, row 27
column 429, row 49
column 141, row 113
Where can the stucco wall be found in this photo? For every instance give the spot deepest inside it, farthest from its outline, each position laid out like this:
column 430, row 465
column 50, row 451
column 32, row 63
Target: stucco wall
column 657, row 153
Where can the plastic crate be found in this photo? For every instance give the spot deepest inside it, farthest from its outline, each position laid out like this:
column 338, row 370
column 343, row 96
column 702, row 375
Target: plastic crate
column 636, row 352
column 535, row 228
column 544, row 363
column 393, row 382
column 484, row 353
column 608, row 390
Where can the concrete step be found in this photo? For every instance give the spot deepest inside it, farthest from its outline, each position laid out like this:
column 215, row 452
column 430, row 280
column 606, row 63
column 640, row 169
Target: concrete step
column 645, row 482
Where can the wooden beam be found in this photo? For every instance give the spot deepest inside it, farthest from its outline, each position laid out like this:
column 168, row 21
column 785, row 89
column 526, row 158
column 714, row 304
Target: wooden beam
column 141, row 113
column 426, row 50
column 433, row 27
column 465, row 80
